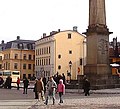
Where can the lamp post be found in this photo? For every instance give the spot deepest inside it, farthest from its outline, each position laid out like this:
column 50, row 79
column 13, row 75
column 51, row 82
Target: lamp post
column 70, row 65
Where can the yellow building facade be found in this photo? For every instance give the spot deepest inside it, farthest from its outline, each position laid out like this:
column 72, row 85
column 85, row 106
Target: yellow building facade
column 19, row 55
column 62, row 52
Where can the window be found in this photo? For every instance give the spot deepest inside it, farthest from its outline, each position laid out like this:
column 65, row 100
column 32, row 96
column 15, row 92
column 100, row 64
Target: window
column 24, row 75
column 15, row 65
column 24, row 57
column 70, row 51
column 69, row 35
column 59, row 56
column 24, row 66
column 29, row 66
column 42, row 62
column 80, row 61
column 0, row 57
column 30, row 57
column 9, row 56
column 16, row 56
column 59, row 67
column 29, row 76
column 49, row 49
column 49, row 61
column 36, row 62
column 0, row 66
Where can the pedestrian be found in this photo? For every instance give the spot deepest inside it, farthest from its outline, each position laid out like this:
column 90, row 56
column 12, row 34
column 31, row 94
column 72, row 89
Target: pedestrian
column 40, row 88
column 44, row 82
column 8, row 82
column 35, row 89
column 87, row 87
column 61, row 90
column 64, row 79
column 1, row 81
column 18, row 83
column 51, row 89
column 118, row 72
column 83, row 82
column 26, row 83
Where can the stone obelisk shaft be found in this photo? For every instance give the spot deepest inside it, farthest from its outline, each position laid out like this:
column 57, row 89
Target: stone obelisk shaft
column 97, row 14
column 97, row 66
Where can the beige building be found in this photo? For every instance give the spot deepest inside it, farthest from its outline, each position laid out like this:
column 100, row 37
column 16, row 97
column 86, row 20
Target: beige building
column 1, row 60
column 19, row 55
column 62, row 52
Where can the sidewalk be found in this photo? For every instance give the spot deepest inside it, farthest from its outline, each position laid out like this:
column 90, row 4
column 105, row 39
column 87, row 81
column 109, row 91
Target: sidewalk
column 101, row 91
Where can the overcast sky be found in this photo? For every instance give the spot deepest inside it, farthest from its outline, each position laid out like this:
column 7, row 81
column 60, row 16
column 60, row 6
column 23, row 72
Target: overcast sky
column 29, row 19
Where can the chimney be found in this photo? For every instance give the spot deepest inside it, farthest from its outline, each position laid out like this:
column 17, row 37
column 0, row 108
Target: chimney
column 44, row 35
column 2, row 42
column 75, row 28
column 18, row 37
column 58, row 30
column 53, row 32
column 114, row 43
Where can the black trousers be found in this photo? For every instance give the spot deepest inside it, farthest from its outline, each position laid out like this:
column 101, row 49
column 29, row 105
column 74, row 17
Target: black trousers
column 87, row 92
column 60, row 95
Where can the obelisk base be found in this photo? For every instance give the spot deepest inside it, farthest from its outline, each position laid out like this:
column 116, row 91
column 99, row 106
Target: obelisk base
column 100, row 77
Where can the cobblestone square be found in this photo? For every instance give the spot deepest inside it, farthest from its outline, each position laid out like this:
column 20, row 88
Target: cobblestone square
column 99, row 99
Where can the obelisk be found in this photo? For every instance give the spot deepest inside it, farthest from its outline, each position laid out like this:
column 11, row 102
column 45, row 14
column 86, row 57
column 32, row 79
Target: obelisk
column 97, row 66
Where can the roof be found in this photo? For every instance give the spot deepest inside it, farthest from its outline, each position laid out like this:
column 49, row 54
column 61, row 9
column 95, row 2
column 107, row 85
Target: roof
column 57, row 32
column 18, row 44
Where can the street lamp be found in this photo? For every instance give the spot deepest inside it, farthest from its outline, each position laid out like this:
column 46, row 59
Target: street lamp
column 70, row 65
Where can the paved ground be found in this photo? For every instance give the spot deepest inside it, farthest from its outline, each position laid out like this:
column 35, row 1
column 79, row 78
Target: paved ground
column 99, row 99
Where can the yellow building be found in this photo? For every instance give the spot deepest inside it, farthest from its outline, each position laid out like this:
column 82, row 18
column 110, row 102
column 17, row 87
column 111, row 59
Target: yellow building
column 19, row 55
column 62, row 52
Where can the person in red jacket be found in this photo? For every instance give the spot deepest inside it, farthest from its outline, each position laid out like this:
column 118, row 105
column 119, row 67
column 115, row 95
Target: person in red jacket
column 18, row 83
column 61, row 90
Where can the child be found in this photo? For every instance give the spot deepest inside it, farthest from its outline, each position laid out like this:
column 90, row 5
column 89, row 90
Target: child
column 51, row 86
column 61, row 90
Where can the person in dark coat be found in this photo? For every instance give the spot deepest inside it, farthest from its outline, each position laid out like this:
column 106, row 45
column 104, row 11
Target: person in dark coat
column 26, row 83
column 83, row 82
column 8, row 82
column 1, row 81
column 44, row 82
column 63, row 77
column 35, row 89
column 87, row 87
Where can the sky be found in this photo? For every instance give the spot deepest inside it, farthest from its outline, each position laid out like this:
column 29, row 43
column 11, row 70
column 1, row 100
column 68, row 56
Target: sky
column 29, row 19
